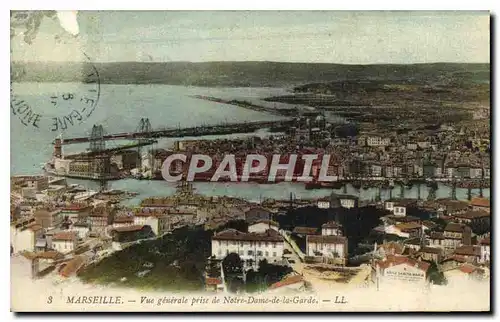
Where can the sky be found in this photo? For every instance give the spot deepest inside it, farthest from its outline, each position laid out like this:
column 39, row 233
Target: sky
column 289, row 36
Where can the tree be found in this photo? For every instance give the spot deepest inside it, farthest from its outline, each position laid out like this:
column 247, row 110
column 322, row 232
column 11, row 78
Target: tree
column 235, row 284
column 239, row 225
column 232, row 264
column 435, row 275
column 213, row 268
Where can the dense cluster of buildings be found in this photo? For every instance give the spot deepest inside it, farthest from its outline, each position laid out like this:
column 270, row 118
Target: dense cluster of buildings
column 448, row 153
column 53, row 228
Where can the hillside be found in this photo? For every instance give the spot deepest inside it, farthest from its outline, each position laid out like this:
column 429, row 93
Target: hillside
column 242, row 74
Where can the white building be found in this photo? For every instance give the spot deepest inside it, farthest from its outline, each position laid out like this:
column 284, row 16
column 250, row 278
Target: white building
column 38, row 183
column 64, row 242
column 412, row 146
column 348, row 201
column 158, row 222
column 476, row 173
column 399, row 207
column 76, row 212
column 23, row 235
column 400, row 269
column 252, row 247
column 81, row 229
column 331, row 229
column 323, row 203
column 485, row 250
column 424, row 144
column 289, row 285
column 376, row 170
column 329, row 247
column 378, row 141
column 123, row 221
column 262, row 226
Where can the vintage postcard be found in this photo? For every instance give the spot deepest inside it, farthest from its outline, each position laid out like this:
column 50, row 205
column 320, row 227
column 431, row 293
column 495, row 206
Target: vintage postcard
column 243, row 161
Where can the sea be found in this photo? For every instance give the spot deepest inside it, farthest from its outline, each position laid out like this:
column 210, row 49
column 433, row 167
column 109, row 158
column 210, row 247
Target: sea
column 120, row 109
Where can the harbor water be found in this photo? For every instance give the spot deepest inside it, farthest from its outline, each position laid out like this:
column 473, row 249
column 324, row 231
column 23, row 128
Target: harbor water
column 120, row 109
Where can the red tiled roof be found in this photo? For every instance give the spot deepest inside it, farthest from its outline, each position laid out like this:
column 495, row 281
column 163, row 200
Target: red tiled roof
column 408, row 226
column 326, row 239
column 467, row 269
column 305, row 230
column 65, row 235
column 468, row 251
column 75, row 207
column 213, row 281
column 287, row 281
column 233, row 234
column 485, row 241
column 331, row 224
column 480, row 202
column 72, row 266
column 34, row 227
column 473, row 214
column 123, row 219
column 393, row 260
column 392, row 248
column 455, row 227
column 431, row 250
column 267, row 222
column 457, row 258
column 49, row 255
column 128, row 228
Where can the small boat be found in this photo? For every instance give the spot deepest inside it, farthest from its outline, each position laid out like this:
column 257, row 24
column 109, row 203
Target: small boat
column 313, row 185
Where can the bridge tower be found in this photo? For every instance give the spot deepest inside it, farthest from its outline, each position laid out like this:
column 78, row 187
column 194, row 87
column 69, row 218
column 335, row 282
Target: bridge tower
column 144, row 131
column 97, row 142
column 100, row 163
column 432, row 193
column 454, row 190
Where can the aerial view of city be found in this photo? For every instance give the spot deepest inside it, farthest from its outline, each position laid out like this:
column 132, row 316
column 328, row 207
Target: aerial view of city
column 250, row 161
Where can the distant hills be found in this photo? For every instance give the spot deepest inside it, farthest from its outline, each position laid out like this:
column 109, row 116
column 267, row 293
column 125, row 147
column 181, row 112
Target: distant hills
column 246, row 74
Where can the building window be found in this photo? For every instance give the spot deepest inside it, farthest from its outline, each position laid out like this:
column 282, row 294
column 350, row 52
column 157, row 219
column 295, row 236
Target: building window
column 267, row 254
column 267, row 244
column 250, row 253
column 274, row 245
column 274, row 254
column 259, row 253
